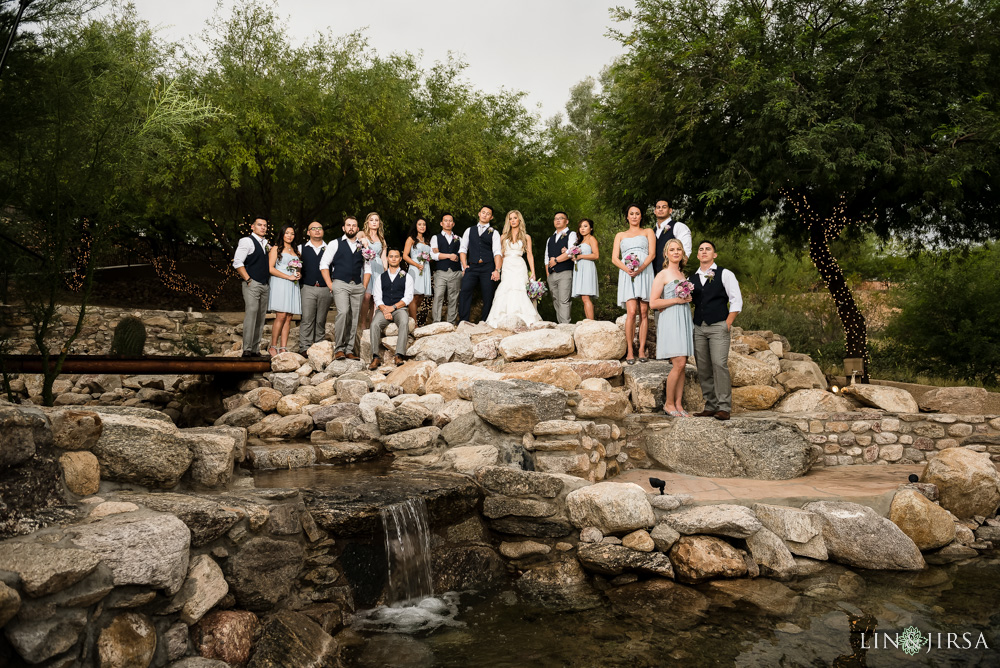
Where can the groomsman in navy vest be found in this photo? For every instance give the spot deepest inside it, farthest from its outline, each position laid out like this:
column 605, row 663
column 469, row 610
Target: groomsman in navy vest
column 481, row 260
column 392, row 293
column 250, row 262
column 346, row 274
column 445, row 247
column 316, row 297
column 717, row 301
column 559, row 266
column 665, row 229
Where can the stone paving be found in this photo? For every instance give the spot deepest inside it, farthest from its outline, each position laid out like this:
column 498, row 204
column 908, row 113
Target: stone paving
column 872, row 486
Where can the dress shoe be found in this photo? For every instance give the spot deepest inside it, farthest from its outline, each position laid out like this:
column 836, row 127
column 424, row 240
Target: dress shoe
column 249, row 353
column 722, row 415
column 339, row 355
column 400, row 361
column 376, row 363
column 352, row 356
column 705, row 414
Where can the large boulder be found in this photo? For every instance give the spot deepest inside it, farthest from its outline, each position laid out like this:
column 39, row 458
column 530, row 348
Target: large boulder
column 967, row 481
column 536, row 345
column 394, row 419
column 442, row 348
column 646, row 383
column 609, row 559
column 927, row 524
column 214, row 456
column 891, row 399
column 206, row 518
column 858, row 536
column 446, row 377
column 284, row 427
column 805, row 367
column 664, row 604
column 560, row 375
column 45, row 569
column 801, row 530
column 600, row 404
column 242, row 416
column 412, row 376
column 139, row 548
column 81, row 472
column 612, row 507
column 226, row 635
column 147, row 452
column 745, row 370
column 700, row 558
column 320, row 354
column 17, row 441
column 718, row 520
column 263, row 571
column 204, row 587
column 755, row 397
column 293, row 640
column 129, row 640
column 814, row 401
column 75, row 429
column 516, row 406
column 599, row 340
column 412, row 442
column 739, row 448
column 959, row 400
column 264, row 398
column 470, row 458
column 771, row 554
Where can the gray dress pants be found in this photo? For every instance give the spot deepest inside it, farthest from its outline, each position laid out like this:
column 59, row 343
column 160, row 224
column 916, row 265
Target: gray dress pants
column 711, row 354
column 450, row 282
column 255, row 304
column 347, row 300
column 561, row 287
column 379, row 323
column 315, row 307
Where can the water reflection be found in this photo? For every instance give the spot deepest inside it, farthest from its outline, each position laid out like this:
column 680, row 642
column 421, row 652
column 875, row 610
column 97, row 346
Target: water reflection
column 826, row 619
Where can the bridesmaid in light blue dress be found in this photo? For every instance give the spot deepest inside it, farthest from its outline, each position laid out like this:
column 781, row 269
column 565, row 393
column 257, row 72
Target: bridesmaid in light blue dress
column 674, row 326
column 634, row 284
column 585, row 270
column 283, row 297
column 420, row 270
column 372, row 237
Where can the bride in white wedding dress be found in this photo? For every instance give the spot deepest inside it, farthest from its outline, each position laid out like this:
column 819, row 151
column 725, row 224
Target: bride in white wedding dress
column 511, row 298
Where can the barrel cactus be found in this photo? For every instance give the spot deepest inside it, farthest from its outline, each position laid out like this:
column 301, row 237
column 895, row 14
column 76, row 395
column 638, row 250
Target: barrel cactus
column 129, row 337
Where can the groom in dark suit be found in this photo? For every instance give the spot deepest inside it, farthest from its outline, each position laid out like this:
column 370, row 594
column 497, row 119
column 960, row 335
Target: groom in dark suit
column 480, row 256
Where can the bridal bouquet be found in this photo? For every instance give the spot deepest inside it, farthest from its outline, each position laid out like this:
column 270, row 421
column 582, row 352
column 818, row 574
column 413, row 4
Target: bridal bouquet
column 536, row 289
column 631, row 262
column 574, row 253
column 683, row 289
column 424, row 257
column 295, row 264
column 368, row 254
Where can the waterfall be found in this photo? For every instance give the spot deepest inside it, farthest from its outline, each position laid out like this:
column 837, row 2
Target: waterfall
column 408, row 551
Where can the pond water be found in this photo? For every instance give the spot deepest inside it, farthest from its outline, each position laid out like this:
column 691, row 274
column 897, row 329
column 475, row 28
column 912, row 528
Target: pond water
column 837, row 617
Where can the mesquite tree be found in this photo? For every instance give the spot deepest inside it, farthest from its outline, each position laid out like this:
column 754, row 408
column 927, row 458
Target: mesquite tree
column 822, row 117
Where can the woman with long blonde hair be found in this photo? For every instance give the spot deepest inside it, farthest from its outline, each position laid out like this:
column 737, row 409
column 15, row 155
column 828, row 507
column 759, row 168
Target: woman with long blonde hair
column 511, row 300
column 372, row 236
column 674, row 325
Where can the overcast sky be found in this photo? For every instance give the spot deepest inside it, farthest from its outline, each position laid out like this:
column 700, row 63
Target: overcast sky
column 541, row 47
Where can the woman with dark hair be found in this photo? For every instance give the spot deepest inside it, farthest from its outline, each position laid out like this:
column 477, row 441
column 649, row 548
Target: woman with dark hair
column 284, row 297
column 585, row 270
column 417, row 253
column 633, row 255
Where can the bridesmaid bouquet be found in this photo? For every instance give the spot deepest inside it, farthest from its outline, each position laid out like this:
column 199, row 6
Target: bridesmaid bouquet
column 631, row 262
column 683, row 289
column 536, row 289
column 574, row 253
column 424, row 257
column 295, row 264
column 368, row 254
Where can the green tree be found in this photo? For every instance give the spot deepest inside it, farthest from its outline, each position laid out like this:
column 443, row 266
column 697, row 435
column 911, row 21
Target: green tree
column 823, row 117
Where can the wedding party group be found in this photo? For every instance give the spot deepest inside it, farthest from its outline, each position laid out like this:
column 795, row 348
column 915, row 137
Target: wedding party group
column 371, row 285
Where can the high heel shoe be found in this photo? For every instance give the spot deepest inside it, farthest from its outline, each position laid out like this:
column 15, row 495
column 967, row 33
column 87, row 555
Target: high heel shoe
column 270, row 349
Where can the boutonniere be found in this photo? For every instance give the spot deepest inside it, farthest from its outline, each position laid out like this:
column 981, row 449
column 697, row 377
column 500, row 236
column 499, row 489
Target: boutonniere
column 490, row 229
column 710, row 274
column 267, row 246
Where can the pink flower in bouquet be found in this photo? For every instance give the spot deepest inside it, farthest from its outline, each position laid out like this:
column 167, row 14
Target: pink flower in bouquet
column 295, row 264
column 574, row 253
column 536, row 289
column 368, row 254
column 424, row 257
column 631, row 262
column 683, row 289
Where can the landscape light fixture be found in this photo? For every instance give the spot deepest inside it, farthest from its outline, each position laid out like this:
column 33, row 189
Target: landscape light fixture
column 656, row 483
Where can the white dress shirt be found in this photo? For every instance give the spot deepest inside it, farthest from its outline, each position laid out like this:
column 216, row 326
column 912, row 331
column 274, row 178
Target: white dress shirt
column 331, row 250
column 407, row 291
column 316, row 249
column 480, row 228
column 245, row 247
column 681, row 232
column 731, row 285
column 434, row 244
column 570, row 241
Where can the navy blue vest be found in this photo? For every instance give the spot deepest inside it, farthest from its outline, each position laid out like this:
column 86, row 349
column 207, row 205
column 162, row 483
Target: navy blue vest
column 393, row 291
column 453, row 247
column 347, row 266
column 481, row 248
column 310, row 266
column 256, row 263
column 555, row 250
column 661, row 246
column 711, row 301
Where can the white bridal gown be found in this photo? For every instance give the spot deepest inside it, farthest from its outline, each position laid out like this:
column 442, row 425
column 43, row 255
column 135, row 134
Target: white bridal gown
column 511, row 298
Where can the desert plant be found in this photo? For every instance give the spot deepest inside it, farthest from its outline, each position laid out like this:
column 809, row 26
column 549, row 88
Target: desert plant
column 129, row 337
